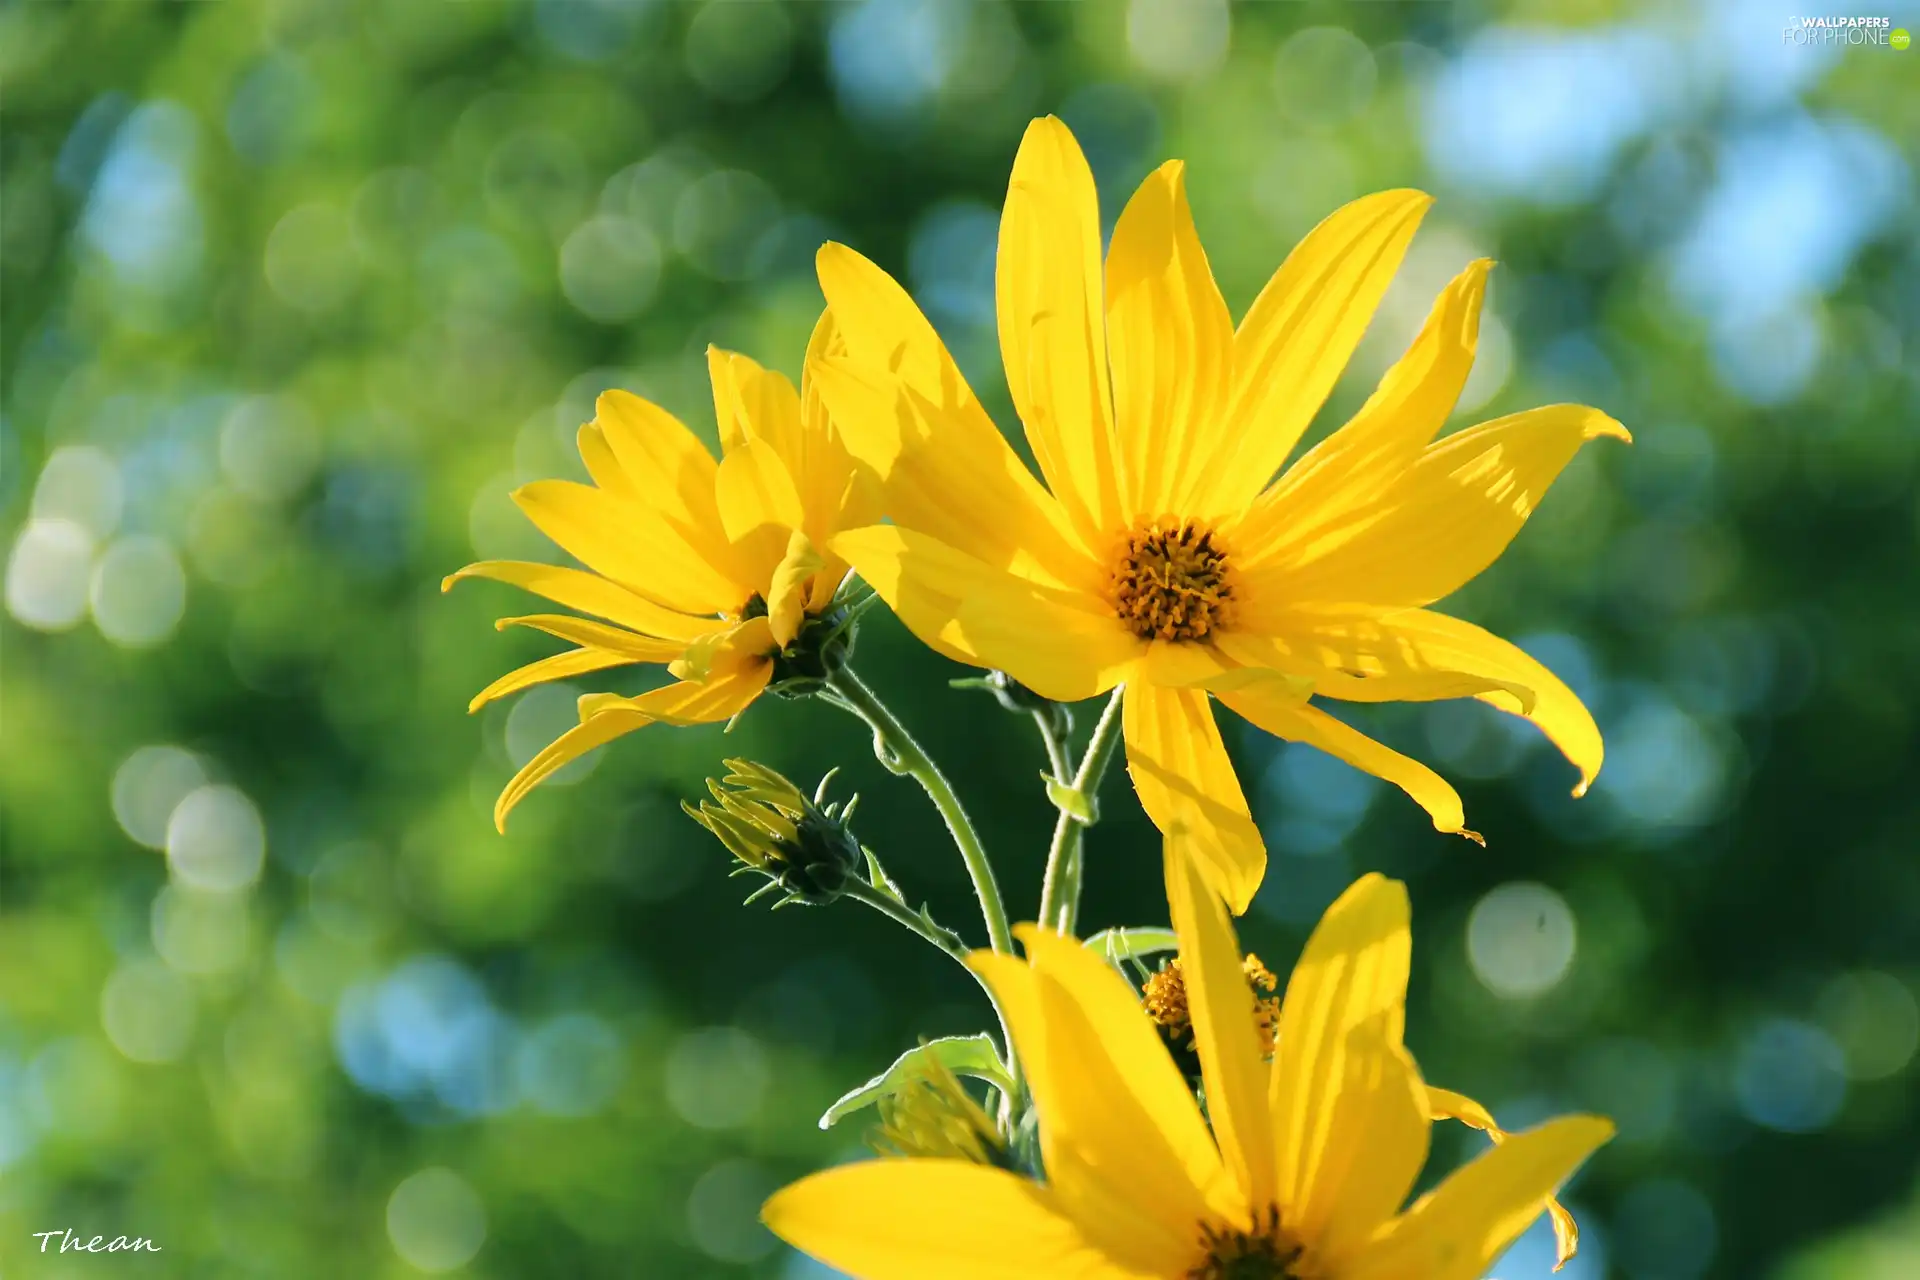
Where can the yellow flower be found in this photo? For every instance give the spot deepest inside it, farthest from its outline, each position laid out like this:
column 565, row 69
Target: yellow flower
column 720, row 570
column 1299, row 1168
column 1156, row 554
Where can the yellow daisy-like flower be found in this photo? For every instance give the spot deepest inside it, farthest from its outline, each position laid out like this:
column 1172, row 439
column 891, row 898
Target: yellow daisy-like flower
column 720, row 570
column 1157, row 555
column 1298, row 1170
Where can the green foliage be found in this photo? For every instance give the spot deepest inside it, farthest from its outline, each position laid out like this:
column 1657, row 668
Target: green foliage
column 973, row 1056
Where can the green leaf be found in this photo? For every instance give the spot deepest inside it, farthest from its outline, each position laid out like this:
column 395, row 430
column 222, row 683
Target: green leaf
column 973, row 1055
column 1130, row 944
column 1077, row 805
column 879, row 879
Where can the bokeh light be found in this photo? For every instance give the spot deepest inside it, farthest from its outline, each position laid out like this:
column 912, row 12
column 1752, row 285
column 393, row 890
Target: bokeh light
column 1521, row 939
column 1790, row 1076
column 717, row 1077
column 436, row 1221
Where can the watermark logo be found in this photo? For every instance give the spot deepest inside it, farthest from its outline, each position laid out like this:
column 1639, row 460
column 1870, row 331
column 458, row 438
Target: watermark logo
column 71, row 1243
column 1843, row 30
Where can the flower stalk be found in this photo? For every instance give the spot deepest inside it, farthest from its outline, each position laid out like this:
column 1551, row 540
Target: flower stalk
column 901, row 754
column 1060, row 890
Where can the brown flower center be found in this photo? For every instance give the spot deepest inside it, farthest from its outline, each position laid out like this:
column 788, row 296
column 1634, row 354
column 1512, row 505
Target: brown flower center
column 1165, row 997
column 1171, row 584
column 1265, row 1253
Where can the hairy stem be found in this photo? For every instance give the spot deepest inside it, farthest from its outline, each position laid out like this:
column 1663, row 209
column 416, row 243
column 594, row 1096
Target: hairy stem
column 891, row 907
column 1060, row 890
column 898, row 751
column 1057, row 761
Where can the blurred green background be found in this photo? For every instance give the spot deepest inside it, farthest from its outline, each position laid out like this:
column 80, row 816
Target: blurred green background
column 295, row 291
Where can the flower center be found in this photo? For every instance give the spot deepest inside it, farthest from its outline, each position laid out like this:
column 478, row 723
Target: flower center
column 1171, row 584
column 1165, row 997
column 1265, row 1253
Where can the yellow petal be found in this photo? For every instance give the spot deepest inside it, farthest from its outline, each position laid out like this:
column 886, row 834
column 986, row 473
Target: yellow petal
column 754, row 489
column 1316, row 728
column 664, row 462
column 629, row 544
column 727, row 651
column 833, row 487
column 1220, row 1003
column 1182, row 664
column 596, row 731
column 736, row 680
column 598, row 635
column 1112, row 1168
column 561, row 666
column 603, row 467
column 1295, row 340
column 1457, row 1231
column 1352, row 974
column 1141, row 1062
column 787, row 587
column 1332, row 661
column 936, row 1220
column 1420, row 643
column 826, row 582
column 1447, row 517
column 1376, row 1145
column 765, row 405
column 1344, row 472
column 759, row 506
column 1052, row 326
column 899, row 402
column 1187, row 786
column 1171, row 343
column 1445, row 1104
column 606, row 716
column 727, row 411
column 1062, row 645
column 588, row 593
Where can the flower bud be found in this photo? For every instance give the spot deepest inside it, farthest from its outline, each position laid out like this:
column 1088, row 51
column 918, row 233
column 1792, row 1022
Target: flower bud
column 932, row 1117
column 800, row 846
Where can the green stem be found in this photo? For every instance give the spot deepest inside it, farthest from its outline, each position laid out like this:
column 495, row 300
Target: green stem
column 1060, row 890
column 1057, row 762
column 900, row 753
column 948, row 941
column 891, row 907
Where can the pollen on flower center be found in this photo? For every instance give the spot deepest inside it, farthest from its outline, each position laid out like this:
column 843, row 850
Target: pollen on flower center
column 1265, row 1253
column 1171, row 584
column 1164, row 995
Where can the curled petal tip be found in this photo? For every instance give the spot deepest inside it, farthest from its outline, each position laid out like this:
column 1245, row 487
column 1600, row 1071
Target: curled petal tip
column 1474, row 836
column 1600, row 424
